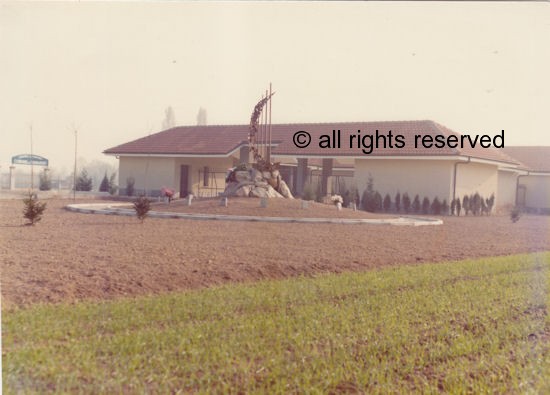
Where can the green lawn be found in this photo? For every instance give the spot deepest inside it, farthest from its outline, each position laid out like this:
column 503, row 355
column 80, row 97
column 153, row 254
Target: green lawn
column 472, row 326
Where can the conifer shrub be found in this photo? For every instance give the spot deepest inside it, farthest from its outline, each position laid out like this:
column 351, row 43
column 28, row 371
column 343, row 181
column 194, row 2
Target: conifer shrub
column 445, row 207
column 466, row 204
column 475, row 204
column 368, row 199
column 84, row 182
column 425, row 205
column 458, row 207
column 33, row 208
column 378, row 203
column 104, row 186
column 406, row 202
column 398, row 202
column 416, row 204
column 142, row 205
column 436, row 206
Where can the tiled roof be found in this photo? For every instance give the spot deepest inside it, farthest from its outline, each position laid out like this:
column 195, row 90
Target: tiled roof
column 532, row 158
column 222, row 139
column 181, row 140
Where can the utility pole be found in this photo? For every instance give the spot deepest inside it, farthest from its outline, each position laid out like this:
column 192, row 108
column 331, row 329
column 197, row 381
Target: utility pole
column 74, row 173
column 32, row 166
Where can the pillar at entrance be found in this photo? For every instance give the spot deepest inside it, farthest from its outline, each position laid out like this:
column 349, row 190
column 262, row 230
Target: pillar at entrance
column 301, row 176
column 244, row 155
column 12, row 178
column 326, row 174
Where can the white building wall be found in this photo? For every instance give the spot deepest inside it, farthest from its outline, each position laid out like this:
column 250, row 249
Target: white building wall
column 537, row 191
column 476, row 177
column 427, row 178
column 195, row 164
column 506, row 191
column 151, row 173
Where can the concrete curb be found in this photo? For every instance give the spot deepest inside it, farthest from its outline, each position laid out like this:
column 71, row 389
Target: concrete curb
column 112, row 209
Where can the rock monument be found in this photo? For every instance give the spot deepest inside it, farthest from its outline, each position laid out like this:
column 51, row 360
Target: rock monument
column 261, row 179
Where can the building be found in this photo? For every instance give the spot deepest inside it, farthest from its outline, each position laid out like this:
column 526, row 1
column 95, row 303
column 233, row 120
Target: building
column 532, row 184
column 196, row 159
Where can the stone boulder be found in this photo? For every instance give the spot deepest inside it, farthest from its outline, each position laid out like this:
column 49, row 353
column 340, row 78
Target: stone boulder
column 256, row 183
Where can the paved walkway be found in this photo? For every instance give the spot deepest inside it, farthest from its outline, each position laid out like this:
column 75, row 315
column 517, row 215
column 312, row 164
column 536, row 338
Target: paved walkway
column 115, row 209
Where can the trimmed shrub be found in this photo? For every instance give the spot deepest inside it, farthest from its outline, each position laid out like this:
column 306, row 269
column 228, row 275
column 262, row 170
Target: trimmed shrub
column 377, row 202
column 475, row 204
column 425, row 206
column 436, row 206
column 466, row 204
column 368, row 199
column 458, row 207
column 406, row 202
column 445, row 207
column 398, row 202
column 416, row 204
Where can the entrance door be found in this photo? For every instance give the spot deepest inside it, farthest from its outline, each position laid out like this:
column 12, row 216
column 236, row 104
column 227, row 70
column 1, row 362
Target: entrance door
column 184, row 181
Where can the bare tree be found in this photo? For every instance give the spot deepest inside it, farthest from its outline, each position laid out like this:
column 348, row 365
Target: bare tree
column 201, row 117
column 169, row 118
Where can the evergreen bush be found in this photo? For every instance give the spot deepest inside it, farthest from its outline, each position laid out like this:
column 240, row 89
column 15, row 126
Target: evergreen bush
column 436, row 206
column 416, row 204
column 33, row 208
column 425, row 206
column 83, row 182
column 142, row 205
column 104, row 186
column 466, row 204
column 378, row 204
column 406, row 202
column 368, row 200
column 445, row 207
column 398, row 202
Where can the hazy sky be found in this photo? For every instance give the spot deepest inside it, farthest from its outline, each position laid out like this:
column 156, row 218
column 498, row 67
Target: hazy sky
column 111, row 69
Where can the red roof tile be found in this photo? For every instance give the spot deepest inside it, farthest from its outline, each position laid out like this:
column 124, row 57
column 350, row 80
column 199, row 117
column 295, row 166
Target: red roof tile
column 222, row 139
column 532, row 158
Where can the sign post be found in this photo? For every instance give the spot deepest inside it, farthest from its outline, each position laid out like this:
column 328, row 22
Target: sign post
column 26, row 159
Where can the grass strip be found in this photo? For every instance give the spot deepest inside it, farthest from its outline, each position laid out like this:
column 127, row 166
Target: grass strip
column 470, row 326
